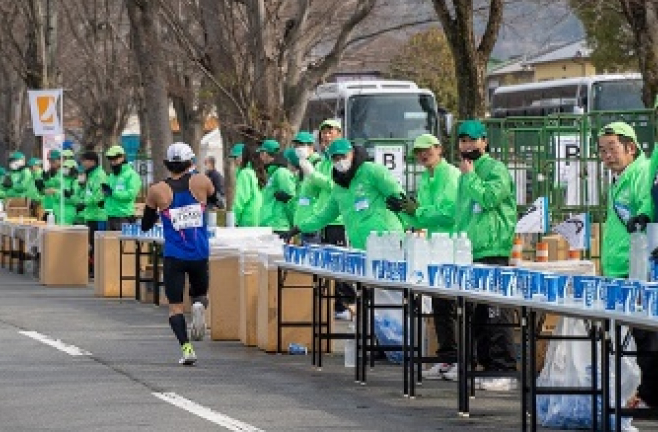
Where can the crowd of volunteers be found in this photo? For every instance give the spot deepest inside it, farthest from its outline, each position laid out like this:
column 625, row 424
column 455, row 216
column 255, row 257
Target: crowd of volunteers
column 332, row 193
column 327, row 190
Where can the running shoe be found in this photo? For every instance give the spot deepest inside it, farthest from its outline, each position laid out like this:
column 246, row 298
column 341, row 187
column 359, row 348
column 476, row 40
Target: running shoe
column 189, row 356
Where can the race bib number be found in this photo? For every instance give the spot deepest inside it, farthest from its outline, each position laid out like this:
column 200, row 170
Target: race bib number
column 190, row 216
column 303, row 201
column 361, row 204
column 119, row 187
column 477, row 208
column 623, row 212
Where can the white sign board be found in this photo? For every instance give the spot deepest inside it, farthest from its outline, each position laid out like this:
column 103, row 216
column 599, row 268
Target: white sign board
column 47, row 109
column 579, row 178
column 51, row 142
column 576, row 230
column 392, row 157
column 535, row 220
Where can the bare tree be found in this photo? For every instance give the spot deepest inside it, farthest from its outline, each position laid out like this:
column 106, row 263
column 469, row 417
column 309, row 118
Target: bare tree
column 144, row 25
column 98, row 69
column 469, row 54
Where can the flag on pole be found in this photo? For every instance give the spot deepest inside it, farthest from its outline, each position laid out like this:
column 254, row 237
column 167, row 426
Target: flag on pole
column 47, row 109
column 576, row 230
column 535, row 219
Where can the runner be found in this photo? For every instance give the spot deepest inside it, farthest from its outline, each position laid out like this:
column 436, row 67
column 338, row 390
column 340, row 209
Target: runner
column 181, row 200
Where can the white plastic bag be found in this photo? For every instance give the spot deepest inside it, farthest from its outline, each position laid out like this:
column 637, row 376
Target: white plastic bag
column 388, row 323
column 568, row 364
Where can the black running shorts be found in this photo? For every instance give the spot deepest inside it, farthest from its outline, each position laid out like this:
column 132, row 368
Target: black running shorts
column 174, row 272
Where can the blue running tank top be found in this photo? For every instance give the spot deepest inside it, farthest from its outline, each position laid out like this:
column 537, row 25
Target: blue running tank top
column 184, row 225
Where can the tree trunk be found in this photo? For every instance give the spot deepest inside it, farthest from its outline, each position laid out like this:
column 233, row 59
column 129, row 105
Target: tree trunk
column 143, row 23
column 471, row 84
column 643, row 19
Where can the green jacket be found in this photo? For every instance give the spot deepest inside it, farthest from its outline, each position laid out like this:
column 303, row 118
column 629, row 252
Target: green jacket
column 275, row 214
column 628, row 196
column 79, row 192
column 125, row 188
column 308, row 198
column 37, row 175
column 94, row 199
column 53, row 180
column 362, row 205
column 22, row 184
column 321, row 179
column 486, row 208
column 248, row 199
column 71, row 187
column 437, row 195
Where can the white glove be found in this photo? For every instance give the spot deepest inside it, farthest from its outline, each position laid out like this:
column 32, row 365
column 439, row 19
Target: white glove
column 306, row 166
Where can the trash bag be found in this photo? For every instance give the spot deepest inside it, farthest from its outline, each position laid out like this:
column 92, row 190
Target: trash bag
column 389, row 328
column 568, row 364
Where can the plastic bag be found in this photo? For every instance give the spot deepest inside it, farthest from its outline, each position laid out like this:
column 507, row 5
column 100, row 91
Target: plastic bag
column 388, row 323
column 568, row 364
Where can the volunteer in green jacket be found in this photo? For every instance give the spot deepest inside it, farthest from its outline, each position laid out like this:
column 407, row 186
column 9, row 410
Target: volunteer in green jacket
column 321, row 177
column 248, row 197
column 434, row 210
column 3, row 172
column 71, row 191
column 293, row 167
column 308, row 200
column 486, row 211
column 121, row 190
column 359, row 196
column 279, row 190
column 18, row 183
column 51, row 186
column 93, row 203
column 36, row 165
column 629, row 208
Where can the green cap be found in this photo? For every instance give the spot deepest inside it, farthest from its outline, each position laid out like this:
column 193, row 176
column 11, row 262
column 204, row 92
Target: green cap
column 291, row 156
column 34, row 162
column 269, row 146
column 340, row 146
column 304, row 138
column 70, row 163
column 236, row 151
column 472, row 128
column 426, row 141
column 16, row 156
column 334, row 124
column 68, row 154
column 619, row 128
column 54, row 154
column 115, row 151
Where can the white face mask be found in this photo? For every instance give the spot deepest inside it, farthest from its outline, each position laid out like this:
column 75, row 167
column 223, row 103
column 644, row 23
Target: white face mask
column 14, row 165
column 302, row 152
column 343, row 165
column 66, row 171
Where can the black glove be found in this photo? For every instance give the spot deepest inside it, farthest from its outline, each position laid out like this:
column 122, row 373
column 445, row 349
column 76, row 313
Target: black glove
column 40, row 184
column 79, row 207
column 286, row 236
column 637, row 223
column 410, row 206
column 395, row 204
column 68, row 193
column 7, row 183
column 101, row 204
column 282, row 196
column 46, row 176
column 107, row 190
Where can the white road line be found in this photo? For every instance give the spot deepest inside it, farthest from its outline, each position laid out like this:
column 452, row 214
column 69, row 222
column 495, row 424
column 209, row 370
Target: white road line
column 68, row 349
column 206, row 413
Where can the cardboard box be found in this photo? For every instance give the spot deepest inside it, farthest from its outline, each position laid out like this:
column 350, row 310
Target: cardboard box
column 248, row 298
column 296, row 304
column 106, row 265
column 63, row 249
column 224, row 295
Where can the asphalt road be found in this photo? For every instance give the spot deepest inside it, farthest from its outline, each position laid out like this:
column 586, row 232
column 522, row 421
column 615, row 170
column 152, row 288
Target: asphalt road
column 127, row 378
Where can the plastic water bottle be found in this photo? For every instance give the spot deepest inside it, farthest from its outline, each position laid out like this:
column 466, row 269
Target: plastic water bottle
column 442, row 249
column 50, row 219
column 639, row 257
column 350, row 347
column 373, row 251
column 418, row 258
column 463, row 250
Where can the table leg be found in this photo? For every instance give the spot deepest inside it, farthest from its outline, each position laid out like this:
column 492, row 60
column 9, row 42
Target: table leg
column 524, row 369
column 321, row 290
column 461, row 356
column 138, row 276
column 406, row 304
column 358, row 331
column 619, row 346
column 420, row 335
column 605, row 376
column 411, row 343
column 21, row 256
column 532, row 339
column 364, row 334
column 595, row 376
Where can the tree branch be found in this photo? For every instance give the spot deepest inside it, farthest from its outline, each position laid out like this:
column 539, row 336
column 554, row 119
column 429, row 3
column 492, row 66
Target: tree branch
column 493, row 27
column 389, row 29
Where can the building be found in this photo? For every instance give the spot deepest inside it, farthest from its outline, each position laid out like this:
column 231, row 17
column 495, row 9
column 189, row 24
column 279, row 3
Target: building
column 568, row 60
